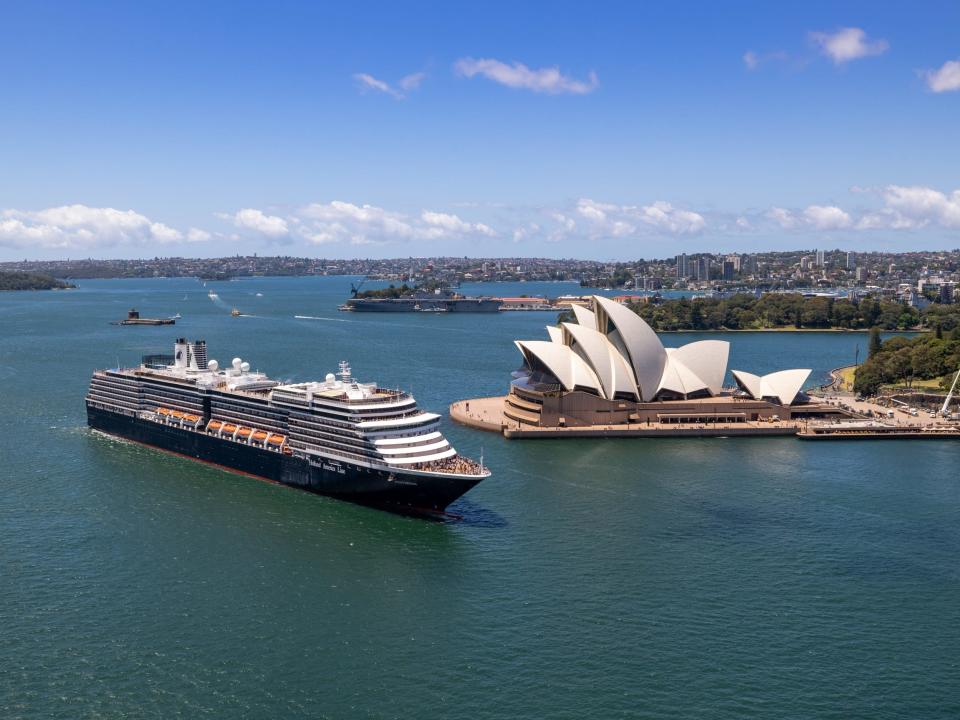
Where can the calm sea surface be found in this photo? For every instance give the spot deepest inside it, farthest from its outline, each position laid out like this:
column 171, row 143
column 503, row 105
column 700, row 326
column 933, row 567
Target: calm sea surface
column 714, row 578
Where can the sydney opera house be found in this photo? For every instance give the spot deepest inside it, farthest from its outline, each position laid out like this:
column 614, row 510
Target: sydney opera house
column 610, row 368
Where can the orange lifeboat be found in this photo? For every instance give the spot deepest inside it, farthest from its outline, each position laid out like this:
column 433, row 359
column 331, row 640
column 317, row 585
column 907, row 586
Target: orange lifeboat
column 276, row 439
column 229, row 429
column 260, row 435
column 244, row 432
column 192, row 418
column 214, row 425
column 162, row 411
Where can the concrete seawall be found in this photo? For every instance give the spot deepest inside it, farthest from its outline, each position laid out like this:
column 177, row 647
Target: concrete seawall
column 717, row 430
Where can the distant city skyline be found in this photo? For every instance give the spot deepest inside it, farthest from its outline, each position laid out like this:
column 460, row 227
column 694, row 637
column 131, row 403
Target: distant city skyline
column 603, row 131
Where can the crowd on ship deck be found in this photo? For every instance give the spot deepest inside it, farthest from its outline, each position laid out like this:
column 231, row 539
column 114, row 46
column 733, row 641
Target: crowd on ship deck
column 456, row 464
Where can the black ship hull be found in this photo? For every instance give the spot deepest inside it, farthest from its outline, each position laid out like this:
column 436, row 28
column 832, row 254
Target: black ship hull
column 396, row 491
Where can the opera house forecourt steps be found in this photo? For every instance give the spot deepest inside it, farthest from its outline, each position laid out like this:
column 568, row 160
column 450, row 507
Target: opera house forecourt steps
column 609, row 375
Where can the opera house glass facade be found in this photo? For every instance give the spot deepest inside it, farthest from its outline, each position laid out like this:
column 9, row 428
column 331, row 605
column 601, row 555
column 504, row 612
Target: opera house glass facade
column 610, row 367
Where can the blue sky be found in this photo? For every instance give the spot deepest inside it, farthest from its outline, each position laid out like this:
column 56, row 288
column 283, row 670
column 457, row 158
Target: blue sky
column 589, row 130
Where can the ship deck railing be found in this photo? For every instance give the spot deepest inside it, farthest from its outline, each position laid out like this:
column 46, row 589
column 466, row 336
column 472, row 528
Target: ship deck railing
column 379, row 395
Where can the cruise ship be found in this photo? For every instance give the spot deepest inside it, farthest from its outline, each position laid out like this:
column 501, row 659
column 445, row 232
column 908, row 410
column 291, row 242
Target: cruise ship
column 337, row 437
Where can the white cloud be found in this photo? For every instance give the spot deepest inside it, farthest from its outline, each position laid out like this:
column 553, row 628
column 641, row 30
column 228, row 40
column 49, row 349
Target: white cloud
column 339, row 221
column 666, row 217
column 901, row 208
column 407, row 84
column 453, row 224
column 944, row 79
column 594, row 211
column 885, row 219
column 547, row 80
column 783, row 217
column 565, row 226
column 412, row 81
column 622, row 221
column 567, row 223
column 753, row 60
column 848, row 44
column 82, row 227
column 197, row 235
column 826, row 217
column 271, row 226
column 923, row 205
column 369, row 82
column 525, row 232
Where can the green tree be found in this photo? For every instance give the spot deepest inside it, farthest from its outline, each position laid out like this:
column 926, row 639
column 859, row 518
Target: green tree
column 696, row 316
column 875, row 343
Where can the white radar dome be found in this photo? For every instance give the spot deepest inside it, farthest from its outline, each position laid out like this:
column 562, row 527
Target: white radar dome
column 213, row 366
column 236, row 363
column 331, row 377
column 245, row 367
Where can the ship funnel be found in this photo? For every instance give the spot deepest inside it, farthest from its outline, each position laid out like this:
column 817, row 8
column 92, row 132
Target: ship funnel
column 181, row 353
column 199, row 353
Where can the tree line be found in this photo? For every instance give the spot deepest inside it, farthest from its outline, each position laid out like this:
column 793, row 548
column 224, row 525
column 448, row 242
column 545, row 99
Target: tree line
column 901, row 360
column 15, row 280
column 791, row 310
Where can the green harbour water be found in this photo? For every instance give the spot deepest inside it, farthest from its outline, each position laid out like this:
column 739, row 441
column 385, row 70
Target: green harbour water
column 639, row 578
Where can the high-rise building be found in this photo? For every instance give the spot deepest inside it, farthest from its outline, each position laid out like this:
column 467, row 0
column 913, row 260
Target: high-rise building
column 851, row 261
column 728, row 271
column 947, row 293
column 804, row 263
column 683, row 270
column 702, row 268
column 861, row 274
column 735, row 259
column 820, row 258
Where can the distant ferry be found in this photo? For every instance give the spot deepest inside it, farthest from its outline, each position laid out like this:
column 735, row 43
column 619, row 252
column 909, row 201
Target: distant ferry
column 338, row 437
column 423, row 301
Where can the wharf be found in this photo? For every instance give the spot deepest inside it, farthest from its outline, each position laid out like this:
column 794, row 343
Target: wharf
column 487, row 414
column 873, row 430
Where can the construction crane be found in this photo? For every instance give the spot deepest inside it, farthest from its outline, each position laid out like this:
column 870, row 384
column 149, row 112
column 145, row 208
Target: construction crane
column 945, row 410
column 354, row 289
